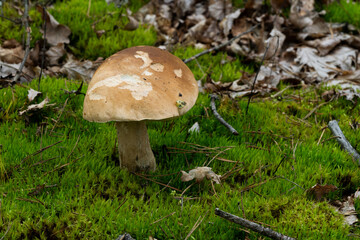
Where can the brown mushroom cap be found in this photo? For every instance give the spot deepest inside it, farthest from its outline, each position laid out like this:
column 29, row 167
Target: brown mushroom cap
column 140, row 83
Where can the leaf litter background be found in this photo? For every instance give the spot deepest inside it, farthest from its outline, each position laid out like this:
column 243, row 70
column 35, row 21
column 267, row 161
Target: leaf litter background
column 302, row 49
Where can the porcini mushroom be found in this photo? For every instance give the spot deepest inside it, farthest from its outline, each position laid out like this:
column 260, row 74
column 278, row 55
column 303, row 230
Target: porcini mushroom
column 135, row 85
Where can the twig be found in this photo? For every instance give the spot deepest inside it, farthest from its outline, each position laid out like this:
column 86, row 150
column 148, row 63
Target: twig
column 218, row 117
column 29, row 200
column 7, row 230
column 121, row 204
column 221, row 45
column 247, row 188
column 196, row 225
column 27, row 45
column 57, row 120
column 16, row 21
column 335, row 129
column 322, row 133
column 290, row 181
column 221, row 152
column 163, row 184
column 316, row 108
column 257, row 73
column 43, row 47
column 159, row 220
column 35, row 153
column 62, row 166
column 182, row 193
column 280, row 92
column 268, row 232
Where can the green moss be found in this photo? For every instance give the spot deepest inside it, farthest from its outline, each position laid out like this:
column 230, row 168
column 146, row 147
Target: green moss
column 92, row 197
column 85, row 43
column 344, row 12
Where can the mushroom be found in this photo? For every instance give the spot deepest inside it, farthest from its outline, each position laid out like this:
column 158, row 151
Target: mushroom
column 135, row 85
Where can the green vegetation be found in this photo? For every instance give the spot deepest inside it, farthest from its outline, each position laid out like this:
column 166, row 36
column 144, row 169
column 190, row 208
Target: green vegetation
column 344, row 12
column 75, row 189
column 84, row 42
column 84, row 194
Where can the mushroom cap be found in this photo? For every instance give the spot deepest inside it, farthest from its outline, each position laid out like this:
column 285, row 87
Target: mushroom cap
column 140, row 83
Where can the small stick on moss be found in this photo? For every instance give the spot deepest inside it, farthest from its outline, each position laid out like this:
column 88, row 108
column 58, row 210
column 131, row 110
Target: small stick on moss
column 7, row 230
column 268, row 232
column 43, row 49
column 163, row 184
column 27, row 45
column 341, row 139
column 121, row 204
column 316, row 108
column 35, row 153
column 322, row 133
column 196, row 225
column 218, row 116
column 256, row 75
column 64, row 165
column 159, row 220
column 221, row 45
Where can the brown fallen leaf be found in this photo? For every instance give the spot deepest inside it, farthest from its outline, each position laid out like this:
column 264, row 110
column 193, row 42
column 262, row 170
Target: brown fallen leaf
column 347, row 208
column 55, row 32
column 55, row 54
column 320, row 191
column 75, row 69
column 199, row 175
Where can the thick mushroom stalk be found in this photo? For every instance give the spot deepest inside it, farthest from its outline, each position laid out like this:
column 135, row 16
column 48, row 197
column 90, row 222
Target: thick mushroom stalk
column 135, row 152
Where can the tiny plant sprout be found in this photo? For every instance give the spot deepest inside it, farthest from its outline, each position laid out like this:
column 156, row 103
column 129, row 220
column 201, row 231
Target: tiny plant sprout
column 136, row 85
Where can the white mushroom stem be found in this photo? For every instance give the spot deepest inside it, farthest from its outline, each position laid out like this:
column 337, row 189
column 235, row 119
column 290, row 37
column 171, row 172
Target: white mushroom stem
column 135, row 152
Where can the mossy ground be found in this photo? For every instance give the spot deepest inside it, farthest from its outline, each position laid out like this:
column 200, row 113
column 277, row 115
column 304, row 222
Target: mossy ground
column 76, row 189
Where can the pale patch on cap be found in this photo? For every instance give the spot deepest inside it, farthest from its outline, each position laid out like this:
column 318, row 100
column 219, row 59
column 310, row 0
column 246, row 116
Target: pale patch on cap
column 158, row 67
column 145, row 57
column 178, row 73
column 147, row 73
column 138, row 88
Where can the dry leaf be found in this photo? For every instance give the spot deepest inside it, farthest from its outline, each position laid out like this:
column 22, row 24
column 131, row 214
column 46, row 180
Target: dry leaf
column 55, row 33
column 32, row 94
column 55, row 53
column 75, row 69
column 195, row 128
column 199, row 174
column 34, row 107
column 320, row 191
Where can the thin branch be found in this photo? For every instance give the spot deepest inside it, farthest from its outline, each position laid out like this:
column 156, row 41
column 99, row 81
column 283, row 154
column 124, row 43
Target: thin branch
column 218, row 116
column 163, row 184
column 341, row 139
column 16, row 21
column 159, row 220
column 7, row 230
column 316, row 108
column 268, row 232
column 43, row 47
column 221, row 45
column 196, row 225
column 35, row 153
column 62, row 166
column 257, row 73
column 27, row 46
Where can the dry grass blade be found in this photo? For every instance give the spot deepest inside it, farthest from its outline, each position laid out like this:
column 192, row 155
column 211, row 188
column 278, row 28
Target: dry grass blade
column 163, row 184
column 64, row 165
column 36, row 153
column 7, row 230
column 247, row 188
column 197, row 224
column 159, row 220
